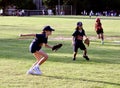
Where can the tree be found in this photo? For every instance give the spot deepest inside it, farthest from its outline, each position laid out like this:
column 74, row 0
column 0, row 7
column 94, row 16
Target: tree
column 78, row 5
column 95, row 5
column 20, row 4
column 52, row 3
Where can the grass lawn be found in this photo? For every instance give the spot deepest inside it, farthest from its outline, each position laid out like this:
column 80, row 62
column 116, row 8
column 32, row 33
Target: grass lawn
column 59, row 71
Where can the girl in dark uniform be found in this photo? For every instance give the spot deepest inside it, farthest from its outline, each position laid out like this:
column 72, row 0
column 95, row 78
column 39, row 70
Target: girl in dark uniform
column 77, row 41
column 99, row 30
column 35, row 49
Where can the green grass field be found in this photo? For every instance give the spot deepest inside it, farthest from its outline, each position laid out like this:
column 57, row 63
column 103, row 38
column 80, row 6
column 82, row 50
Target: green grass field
column 59, row 71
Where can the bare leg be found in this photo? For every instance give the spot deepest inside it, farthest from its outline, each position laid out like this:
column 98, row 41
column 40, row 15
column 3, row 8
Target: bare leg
column 85, row 52
column 40, row 56
column 85, row 55
column 98, row 36
column 74, row 55
column 102, row 38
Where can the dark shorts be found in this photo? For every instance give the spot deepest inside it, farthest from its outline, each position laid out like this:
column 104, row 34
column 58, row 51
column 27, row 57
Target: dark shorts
column 34, row 47
column 79, row 45
column 99, row 31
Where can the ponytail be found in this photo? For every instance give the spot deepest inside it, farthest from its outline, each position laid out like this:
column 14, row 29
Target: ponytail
column 76, row 28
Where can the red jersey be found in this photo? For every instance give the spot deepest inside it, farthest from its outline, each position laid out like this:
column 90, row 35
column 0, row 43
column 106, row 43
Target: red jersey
column 98, row 26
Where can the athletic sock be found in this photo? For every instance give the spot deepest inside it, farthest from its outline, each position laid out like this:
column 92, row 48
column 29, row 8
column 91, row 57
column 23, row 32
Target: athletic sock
column 37, row 65
column 102, row 42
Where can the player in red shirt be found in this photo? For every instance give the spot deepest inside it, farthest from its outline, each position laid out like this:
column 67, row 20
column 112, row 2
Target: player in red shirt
column 99, row 30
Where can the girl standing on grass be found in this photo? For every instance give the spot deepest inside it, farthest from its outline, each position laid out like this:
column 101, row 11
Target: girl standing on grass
column 35, row 49
column 99, row 30
column 77, row 41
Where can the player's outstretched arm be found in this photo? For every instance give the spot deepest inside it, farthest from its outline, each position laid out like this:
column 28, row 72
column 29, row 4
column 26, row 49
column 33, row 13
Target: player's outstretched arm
column 48, row 46
column 22, row 35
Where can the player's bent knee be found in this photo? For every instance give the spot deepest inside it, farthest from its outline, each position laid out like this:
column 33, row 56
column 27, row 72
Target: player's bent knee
column 46, row 56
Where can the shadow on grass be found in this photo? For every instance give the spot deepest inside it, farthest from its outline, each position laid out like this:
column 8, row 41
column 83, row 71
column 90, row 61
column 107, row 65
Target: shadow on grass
column 17, row 49
column 81, row 60
column 81, row 79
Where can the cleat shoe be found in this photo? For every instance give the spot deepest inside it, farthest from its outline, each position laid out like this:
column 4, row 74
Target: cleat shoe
column 74, row 59
column 86, row 57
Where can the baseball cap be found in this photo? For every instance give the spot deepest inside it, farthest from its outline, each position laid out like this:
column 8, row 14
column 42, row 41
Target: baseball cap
column 79, row 24
column 48, row 28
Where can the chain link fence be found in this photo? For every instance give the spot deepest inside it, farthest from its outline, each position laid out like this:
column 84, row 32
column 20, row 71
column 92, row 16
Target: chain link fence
column 63, row 9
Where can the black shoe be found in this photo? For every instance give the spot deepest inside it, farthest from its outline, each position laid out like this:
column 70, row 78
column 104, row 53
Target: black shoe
column 74, row 59
column 86, row 57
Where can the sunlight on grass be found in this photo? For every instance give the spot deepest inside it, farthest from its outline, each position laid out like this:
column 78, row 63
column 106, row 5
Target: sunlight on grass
column 59, row 71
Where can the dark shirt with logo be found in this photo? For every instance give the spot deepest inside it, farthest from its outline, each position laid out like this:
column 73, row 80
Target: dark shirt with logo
column 78, row 34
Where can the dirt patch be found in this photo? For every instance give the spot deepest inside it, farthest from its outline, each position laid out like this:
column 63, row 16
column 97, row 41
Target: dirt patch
column 90, row 37
column 115, row 39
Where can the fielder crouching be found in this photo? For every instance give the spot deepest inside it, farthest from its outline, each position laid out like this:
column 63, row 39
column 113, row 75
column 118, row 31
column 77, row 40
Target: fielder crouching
column 77, row 41
column 35, row 49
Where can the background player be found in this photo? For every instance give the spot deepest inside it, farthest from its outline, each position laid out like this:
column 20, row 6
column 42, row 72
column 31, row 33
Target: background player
column 99, row 30
column 77, row 41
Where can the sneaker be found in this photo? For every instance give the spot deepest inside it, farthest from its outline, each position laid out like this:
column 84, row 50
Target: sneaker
column 37, row 70
column 34, row 71
column 74, row 59
column 86, row 57
column 102, row 42
column 30, row 71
